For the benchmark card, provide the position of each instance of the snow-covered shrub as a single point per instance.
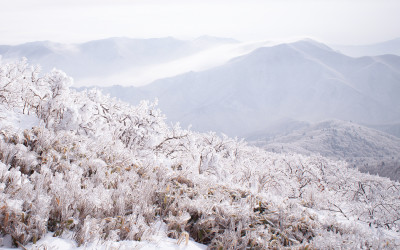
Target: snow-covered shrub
(106, 170)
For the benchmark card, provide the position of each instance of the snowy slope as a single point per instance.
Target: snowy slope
(304, 81)
(336, 139)
(361, 146)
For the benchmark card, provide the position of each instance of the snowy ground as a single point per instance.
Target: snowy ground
(9, 118)
(50, 242)
(155, 242)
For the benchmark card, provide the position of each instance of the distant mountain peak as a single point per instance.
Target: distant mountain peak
(297, 49)
(312, 42)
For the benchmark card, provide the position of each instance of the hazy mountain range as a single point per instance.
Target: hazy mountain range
(90, 62)
(387, 47)
(301, 81)
(133, 62)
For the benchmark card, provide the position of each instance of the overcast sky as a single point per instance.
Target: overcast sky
(330, 21)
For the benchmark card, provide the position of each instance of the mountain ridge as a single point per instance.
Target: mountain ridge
(381, 48)
(361, 147)
(108, 56)
(301, 81)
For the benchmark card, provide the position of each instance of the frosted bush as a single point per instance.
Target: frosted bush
(104, 170)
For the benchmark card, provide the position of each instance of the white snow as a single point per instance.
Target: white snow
(157, 242)
(15, 119)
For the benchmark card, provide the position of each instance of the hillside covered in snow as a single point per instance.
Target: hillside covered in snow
(368, 149)
(99, 169)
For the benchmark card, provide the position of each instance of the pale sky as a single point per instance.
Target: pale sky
(70, 21)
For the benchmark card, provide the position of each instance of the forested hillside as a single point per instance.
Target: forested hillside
(102, 169)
